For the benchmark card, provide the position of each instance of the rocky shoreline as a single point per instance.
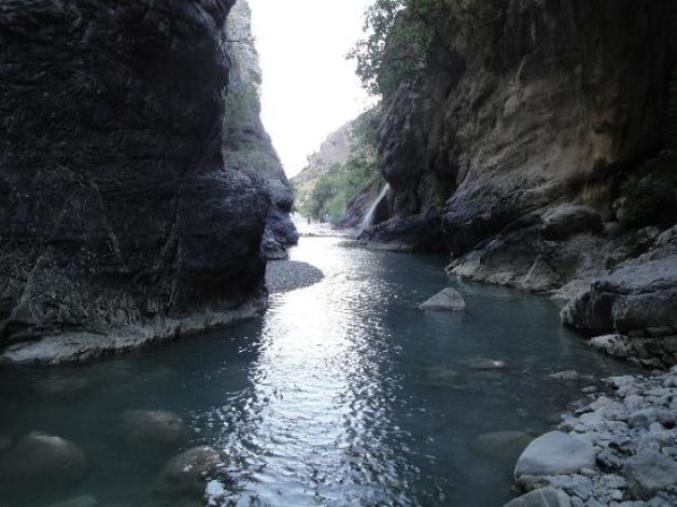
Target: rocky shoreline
(617, 448)
(80, 347)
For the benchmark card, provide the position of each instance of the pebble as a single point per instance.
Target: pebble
(633, 436)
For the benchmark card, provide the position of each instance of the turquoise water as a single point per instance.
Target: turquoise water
(343, 393)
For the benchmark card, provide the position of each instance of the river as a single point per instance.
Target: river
(342, 393)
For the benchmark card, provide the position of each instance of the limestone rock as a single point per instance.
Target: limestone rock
(543, 497)
(446, 300)
(649, 472)
(555, 453)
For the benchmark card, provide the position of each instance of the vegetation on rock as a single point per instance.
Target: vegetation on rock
(342, 183)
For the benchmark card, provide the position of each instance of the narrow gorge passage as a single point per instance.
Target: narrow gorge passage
(343, 393)
(338, 252)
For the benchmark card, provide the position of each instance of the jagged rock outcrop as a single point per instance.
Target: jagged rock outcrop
(120, 223)
(247, 146)
(535, 145)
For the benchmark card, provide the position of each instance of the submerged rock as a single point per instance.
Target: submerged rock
(483, 363)
(446, 300)
(5, 442)
(187, 474)
(78, 501)
(56, 385)
(153, 427)
(543, 497)
(555, 453)
(439, 376)
(503, 443)
(40, 458)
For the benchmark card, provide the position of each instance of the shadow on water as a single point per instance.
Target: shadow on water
(342, 393)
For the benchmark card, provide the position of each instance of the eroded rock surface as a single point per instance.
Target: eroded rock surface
(121, 223)
(535, 147)
(247, 147)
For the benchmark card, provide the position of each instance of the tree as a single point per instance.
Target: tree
(399, 37)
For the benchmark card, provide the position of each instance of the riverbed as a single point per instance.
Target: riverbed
(342, 393)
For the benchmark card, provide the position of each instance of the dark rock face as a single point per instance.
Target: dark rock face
(516, 142)
(120, 222)
(246, 145)
(530, 108)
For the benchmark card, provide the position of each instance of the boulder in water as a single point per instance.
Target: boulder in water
(446, 300)
(483, 363)
(543, 497)
(78, 501)
(155, 427)
(41, 458)
(187, 474)
(5, 442)
(555, 453)
(439, 376)
(57, 385)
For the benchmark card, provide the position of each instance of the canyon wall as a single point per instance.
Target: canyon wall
(534, 147)
(246, 145)
(121, 224)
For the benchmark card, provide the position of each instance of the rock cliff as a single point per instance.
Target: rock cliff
(534, 147)
(333, 152)
(247, 147)
(340, 181)
(121, 222)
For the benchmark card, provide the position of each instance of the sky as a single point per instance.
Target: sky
(309, 89)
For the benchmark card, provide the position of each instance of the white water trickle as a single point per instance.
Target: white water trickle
(368, 219)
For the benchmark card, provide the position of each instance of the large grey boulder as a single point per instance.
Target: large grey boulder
(637, 299)
(650, 472)
(446, 300)
(543, 497)
(555, 453)
(41, 458)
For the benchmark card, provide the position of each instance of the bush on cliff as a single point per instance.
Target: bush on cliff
(650, 197)
(400, 34)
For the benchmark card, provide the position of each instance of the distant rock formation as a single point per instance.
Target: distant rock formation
(247, 146)
(333, 152)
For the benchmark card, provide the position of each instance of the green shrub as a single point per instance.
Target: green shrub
(650, 197)
(336, 190)
(400, 34)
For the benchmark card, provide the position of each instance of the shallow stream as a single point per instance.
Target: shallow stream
(343, 393)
